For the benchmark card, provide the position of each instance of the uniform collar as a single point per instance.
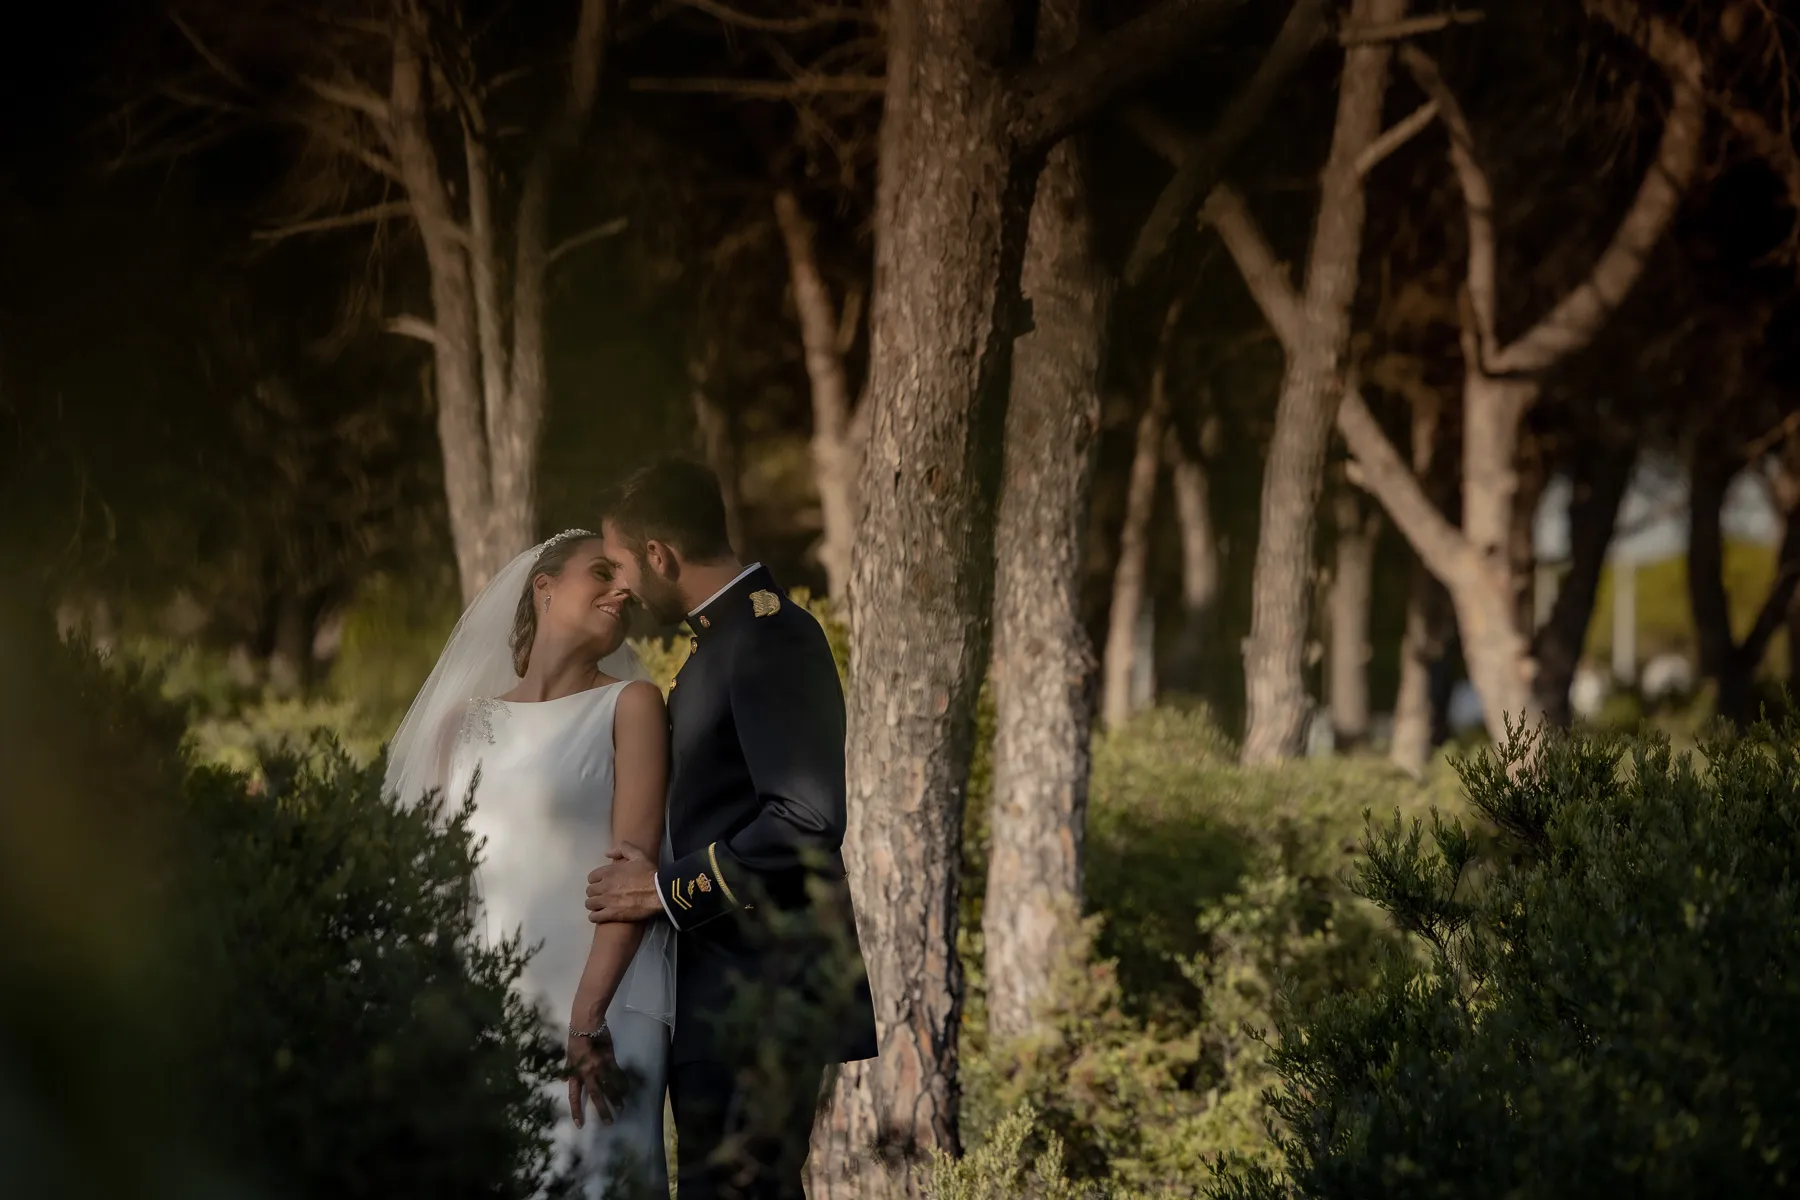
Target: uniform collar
(733, 604)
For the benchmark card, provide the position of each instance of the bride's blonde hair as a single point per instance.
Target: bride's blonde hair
(550, 561)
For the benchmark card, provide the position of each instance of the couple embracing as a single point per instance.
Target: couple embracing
(715, 960)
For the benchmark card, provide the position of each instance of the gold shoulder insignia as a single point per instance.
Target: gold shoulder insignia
(704, 882)
(764, 604)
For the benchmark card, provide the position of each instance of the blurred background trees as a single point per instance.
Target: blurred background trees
(1316, 384)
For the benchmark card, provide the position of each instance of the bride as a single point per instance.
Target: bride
(554, 725)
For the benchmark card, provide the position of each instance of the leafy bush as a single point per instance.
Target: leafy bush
(266, 983)
(1608, 1002)
(997, 1170)
(354, 1035)
(1213, 889)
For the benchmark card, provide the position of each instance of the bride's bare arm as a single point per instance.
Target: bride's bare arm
(640, 780)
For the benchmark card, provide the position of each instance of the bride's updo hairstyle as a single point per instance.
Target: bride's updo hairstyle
(550, 561)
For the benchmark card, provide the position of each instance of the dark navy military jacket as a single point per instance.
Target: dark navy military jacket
(753, 870)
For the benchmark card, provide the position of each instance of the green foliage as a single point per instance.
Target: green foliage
(279, 975)
(997, 1170)
(391, 639)
(1216, 891)
(1606, 1005)
(348, 994)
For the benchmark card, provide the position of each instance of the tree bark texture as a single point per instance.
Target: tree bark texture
(1131, 570)
(1274, 658)
(963, 135)
(1601, 473)
(952, 209)
(834, 458)
(1351, 604)
(487, 339)
(1043, 663)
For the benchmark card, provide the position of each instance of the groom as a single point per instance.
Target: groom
(770, 986)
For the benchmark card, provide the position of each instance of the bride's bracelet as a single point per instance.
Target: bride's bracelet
(589, 1034)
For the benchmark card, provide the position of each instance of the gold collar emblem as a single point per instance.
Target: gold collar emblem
(764, 604)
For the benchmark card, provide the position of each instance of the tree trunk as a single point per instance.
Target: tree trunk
(962, 136)
(1274, 658)
(951, 215)
(1709, 476)
(1351, 604)
(834, 460)
(1730, 664)
(1602, 472)
(1132, 568)
(713, 427)
(1199, 556)
(491, 388)
(1425, 637)
(1044, 665)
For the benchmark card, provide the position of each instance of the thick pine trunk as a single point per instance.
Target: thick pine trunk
(1043, 663)
(834, 459)
(951, 218)
(1131, 569)
(1602, 472)
(1351, 606)
(1274, 657)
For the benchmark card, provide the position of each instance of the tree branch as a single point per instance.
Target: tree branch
(1393, 31)
(379, 163)
(1403, 132)
(351, 95)
(205, 52)
(1050, 99)
(1478, 198)
(407, 325)
(1264, 274)
(1382, 473)
(363, 216)
(1380, 470)
(764, 89)
(1577, 318)
(599, 232)
(823, 15)
(1201, 167)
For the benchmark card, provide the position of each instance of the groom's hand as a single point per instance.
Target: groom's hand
(625, 888)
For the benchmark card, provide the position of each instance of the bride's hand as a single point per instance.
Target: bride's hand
(593, 1075)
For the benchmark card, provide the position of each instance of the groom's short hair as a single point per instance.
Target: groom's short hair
(674, 501)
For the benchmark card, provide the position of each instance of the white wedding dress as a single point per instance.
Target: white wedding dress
(543, 805)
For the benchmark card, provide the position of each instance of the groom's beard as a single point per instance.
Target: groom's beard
(659, 597)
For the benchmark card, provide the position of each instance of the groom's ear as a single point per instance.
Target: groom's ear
(662, 557)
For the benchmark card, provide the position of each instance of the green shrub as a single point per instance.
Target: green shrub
(1608, 1003)
(267, 983)
(998, 1170)
(1214, 890)
(354, 1036)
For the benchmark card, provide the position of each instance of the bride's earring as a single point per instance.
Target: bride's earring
(546, 605)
